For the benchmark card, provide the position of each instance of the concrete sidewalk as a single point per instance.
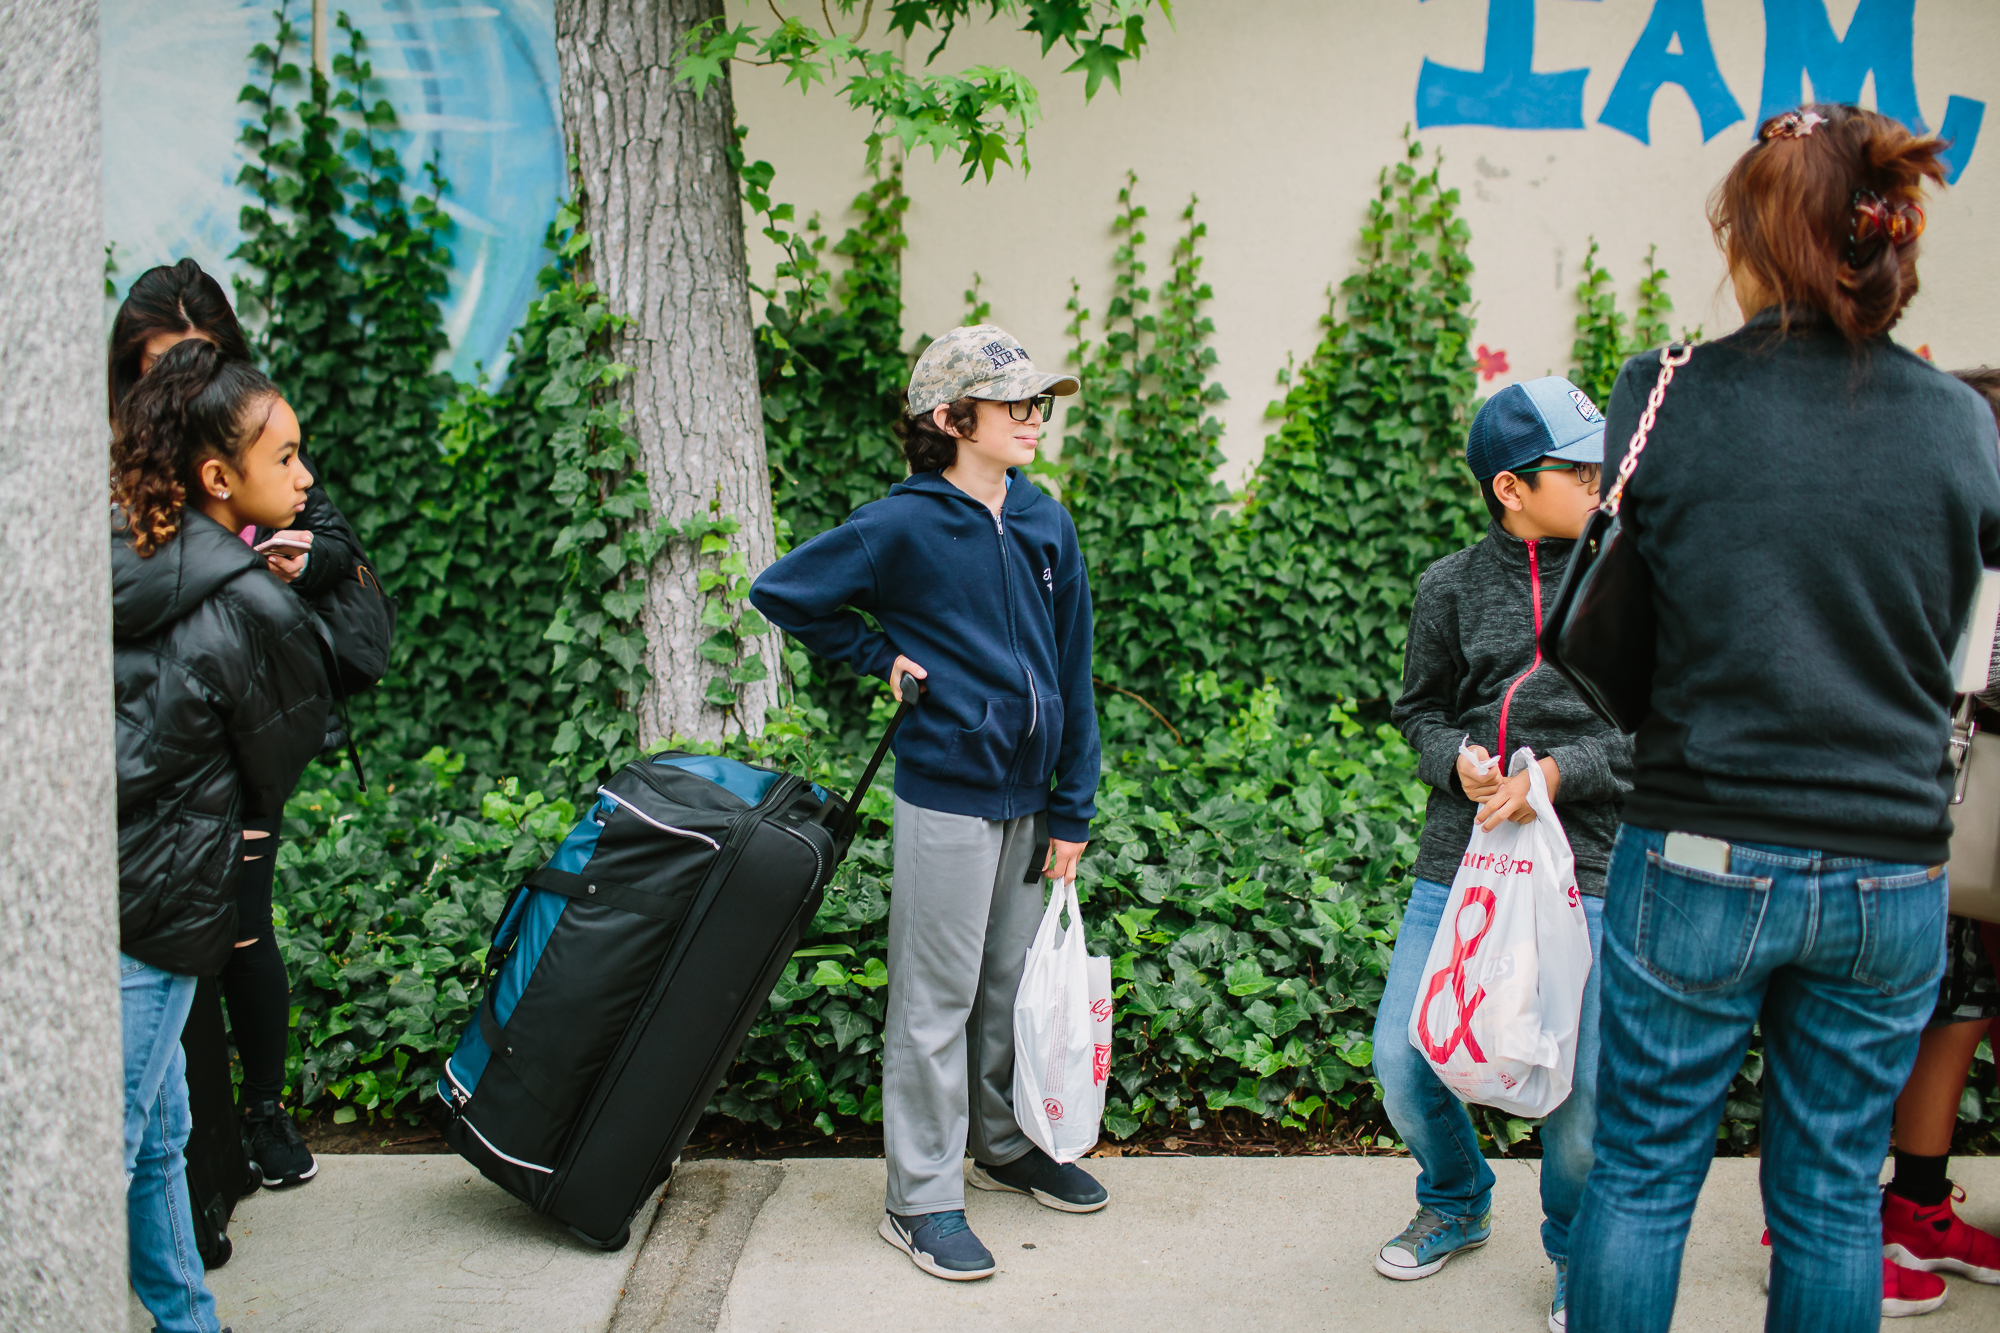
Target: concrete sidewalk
(389, 1244)
(1193, 1244)
(386, 1244)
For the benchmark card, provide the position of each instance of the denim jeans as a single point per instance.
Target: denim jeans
(1839, 958)
(166, 1271)
(1427, 1116)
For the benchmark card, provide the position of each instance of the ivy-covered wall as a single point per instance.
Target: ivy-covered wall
(1258, 819)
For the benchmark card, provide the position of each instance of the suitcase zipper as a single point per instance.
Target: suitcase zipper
(614, 798)
(545, 1170)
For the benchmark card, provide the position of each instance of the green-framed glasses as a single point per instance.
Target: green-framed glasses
(1027, 407)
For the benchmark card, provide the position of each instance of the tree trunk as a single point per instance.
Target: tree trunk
(662, 205)
(62, 1176)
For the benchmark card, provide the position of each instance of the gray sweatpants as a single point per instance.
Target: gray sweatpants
(961, 918)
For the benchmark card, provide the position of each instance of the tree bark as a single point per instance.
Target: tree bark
(62, 1168)
(662, 203)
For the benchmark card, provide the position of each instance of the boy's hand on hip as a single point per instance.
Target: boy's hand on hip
(1479, 786)
(1063, 857)
(896, 670)
(1510, 802)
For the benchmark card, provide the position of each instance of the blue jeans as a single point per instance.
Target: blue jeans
(1839, 958)
(1427, 1116)
(166, 1271)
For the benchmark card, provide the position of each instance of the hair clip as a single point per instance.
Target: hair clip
(1875, 219)
(1792, 125)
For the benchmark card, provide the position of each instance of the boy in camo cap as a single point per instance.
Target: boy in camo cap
(976, 580)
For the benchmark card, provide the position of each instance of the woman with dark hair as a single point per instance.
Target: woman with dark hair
(1814, 505)
(221, 702)
(311, 550)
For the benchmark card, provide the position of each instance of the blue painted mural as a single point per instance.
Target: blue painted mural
(1799, 44)
(473, 83)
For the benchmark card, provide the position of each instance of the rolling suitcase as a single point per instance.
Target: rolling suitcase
(218, 1167)
(624, 974)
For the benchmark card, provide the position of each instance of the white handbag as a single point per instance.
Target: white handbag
(1974, 870)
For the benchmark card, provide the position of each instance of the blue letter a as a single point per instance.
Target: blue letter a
(1652, 65)
(1506, 92)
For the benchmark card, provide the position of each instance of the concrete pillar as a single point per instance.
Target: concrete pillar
(62, 1175)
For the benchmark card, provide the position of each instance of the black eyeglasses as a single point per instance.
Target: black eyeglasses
(1027, 407)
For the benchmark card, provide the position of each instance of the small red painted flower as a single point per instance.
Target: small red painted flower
(1492, 362)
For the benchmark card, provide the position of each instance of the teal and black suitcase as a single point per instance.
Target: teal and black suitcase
(624, 974)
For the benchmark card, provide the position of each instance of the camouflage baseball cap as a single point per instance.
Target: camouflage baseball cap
(979, 361)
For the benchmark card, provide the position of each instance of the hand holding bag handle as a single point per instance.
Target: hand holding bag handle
(1600, 630)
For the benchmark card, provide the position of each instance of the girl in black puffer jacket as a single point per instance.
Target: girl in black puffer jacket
(167, 306)
(221, 702)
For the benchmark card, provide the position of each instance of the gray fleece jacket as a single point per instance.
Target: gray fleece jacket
(1471, 668)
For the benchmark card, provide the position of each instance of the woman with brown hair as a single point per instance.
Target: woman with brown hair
(1815, 506)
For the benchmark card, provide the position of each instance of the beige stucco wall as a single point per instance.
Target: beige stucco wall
(1279, 113)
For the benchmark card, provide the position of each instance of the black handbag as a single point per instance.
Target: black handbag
(1599, 632)
(359, 620)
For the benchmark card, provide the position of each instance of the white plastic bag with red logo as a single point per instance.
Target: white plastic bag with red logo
(1058, 1071)
(1502, 993)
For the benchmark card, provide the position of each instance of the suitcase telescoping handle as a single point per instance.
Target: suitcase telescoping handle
(850, 819)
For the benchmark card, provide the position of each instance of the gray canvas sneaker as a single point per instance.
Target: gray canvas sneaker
(939, 1243)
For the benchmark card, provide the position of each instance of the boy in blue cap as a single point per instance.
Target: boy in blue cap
(1472, 671)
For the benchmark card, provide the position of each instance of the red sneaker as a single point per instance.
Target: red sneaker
(1937, 1239)
(1905, 1291)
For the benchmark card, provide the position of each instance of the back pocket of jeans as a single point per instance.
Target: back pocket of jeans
(1902, 931)
(1696, 927)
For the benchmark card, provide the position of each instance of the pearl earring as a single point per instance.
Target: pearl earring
(222, 495)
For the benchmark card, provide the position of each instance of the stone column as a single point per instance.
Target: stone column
(62, 1177)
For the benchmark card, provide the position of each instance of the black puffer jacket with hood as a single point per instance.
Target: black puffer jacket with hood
(222, 699)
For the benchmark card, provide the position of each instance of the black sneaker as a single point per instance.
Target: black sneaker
(1059, 1185)
(939, 1243)
(276, 1149)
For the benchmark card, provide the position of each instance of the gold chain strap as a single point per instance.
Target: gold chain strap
(1669, 362)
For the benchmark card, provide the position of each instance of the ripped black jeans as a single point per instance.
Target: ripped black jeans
(254, 986)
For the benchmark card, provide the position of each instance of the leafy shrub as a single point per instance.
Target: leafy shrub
(1362, 486)
(1248, 890)
(1605, 338)
(386, 902)
(449, 490)
(1138, 467)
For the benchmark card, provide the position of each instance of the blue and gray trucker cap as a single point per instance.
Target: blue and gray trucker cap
(1523, 422)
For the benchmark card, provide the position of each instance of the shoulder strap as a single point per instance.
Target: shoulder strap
(1669, 362)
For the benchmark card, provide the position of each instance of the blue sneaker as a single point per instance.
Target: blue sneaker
(939, 1243)
(1429, 1240)
(1057, 1184)
(1559, 1307)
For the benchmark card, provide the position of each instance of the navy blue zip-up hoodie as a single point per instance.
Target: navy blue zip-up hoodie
(996, 610)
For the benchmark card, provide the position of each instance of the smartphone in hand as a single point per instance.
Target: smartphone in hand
(283, 544)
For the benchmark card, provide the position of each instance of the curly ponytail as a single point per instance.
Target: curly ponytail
(1825, 212)
(196, 403)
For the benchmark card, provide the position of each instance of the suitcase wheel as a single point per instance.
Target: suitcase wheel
(617, 1242)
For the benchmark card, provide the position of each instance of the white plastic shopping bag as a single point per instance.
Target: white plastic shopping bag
(1101, 1014)
(1502, 991)
(1057, 1099)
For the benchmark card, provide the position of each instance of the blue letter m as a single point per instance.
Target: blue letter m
(1799, 42)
